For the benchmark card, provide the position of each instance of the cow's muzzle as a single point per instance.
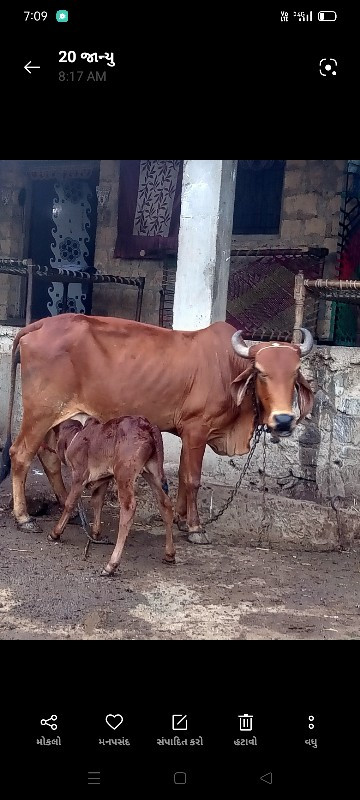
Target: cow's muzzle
(283, 424)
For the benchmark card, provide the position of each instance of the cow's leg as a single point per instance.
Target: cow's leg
(70, 503)
(194, 443)
(97, 502)
(181, 502)
(125, 484)
(52, 468)
(165, 508)
(22, 452)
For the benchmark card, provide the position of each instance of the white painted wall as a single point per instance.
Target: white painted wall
(207, 206)
(7, 336)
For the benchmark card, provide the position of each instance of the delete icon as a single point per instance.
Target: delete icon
(179, 722)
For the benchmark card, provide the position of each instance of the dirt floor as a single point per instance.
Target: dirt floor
(226, 590)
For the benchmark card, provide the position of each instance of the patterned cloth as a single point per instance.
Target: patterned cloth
(261, 293)
(149, 209)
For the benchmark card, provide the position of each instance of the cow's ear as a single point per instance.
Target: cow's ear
(240, 384)
(305, 396)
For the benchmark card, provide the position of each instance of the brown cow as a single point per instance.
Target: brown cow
(205, 386)
(121, 448)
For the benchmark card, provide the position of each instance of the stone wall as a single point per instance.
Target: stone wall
(310, 217)
(14, 232)
(310, 207)
(110, 300)
(107, 300)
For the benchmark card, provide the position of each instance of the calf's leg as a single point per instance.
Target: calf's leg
(127, 503)
(97, 502)
(165, 508)
(70, 503)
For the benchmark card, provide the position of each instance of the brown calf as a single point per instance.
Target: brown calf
(121, 448)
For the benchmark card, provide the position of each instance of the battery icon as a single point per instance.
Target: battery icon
(327, 16)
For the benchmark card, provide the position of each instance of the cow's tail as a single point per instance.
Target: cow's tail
(159, 447)
(5, 463)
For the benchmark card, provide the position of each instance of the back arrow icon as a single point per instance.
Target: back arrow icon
(267, 778)
(30, 66)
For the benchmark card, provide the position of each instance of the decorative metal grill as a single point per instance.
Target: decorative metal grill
(167, 293)
(25, 269)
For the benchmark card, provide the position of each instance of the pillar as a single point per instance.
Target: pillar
(207, 206)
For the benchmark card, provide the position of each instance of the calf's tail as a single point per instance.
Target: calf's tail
(5, 463)
(159, 447)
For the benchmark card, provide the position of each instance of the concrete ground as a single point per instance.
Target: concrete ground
(235, 588)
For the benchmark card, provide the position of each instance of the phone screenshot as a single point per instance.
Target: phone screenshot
(179, 399)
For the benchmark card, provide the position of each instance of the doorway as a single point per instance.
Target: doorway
(62, 234)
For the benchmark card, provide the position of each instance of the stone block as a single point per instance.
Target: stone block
(334, 204)
(330, 243)
(291, 228)
(296, 164)
(291, 524)
(293, 179)
(334, 227)
(315, 226)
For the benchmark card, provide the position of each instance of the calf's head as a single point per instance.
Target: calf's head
(275, 369)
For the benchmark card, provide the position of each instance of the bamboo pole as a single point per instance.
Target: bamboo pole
(29, 292)
(326, 283)
(299, 297)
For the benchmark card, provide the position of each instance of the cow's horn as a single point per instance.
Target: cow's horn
(239, 345)
(308, 342)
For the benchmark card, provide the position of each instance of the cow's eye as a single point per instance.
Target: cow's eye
(262, 375)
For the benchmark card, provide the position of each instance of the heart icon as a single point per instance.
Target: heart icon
(114, 720)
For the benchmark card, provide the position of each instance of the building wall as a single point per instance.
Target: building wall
(310, 217)
(121, 301)
(14, 233)
(310, 207)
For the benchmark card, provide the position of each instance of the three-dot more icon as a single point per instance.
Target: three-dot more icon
(311, 725)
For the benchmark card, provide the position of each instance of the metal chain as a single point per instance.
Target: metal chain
(234, 491)
(264, 524)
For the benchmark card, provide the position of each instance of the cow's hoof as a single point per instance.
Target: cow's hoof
(182, 524)
(105, 573)
(169, 560)
(29, 525)
(53, 539)
(199, 537)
